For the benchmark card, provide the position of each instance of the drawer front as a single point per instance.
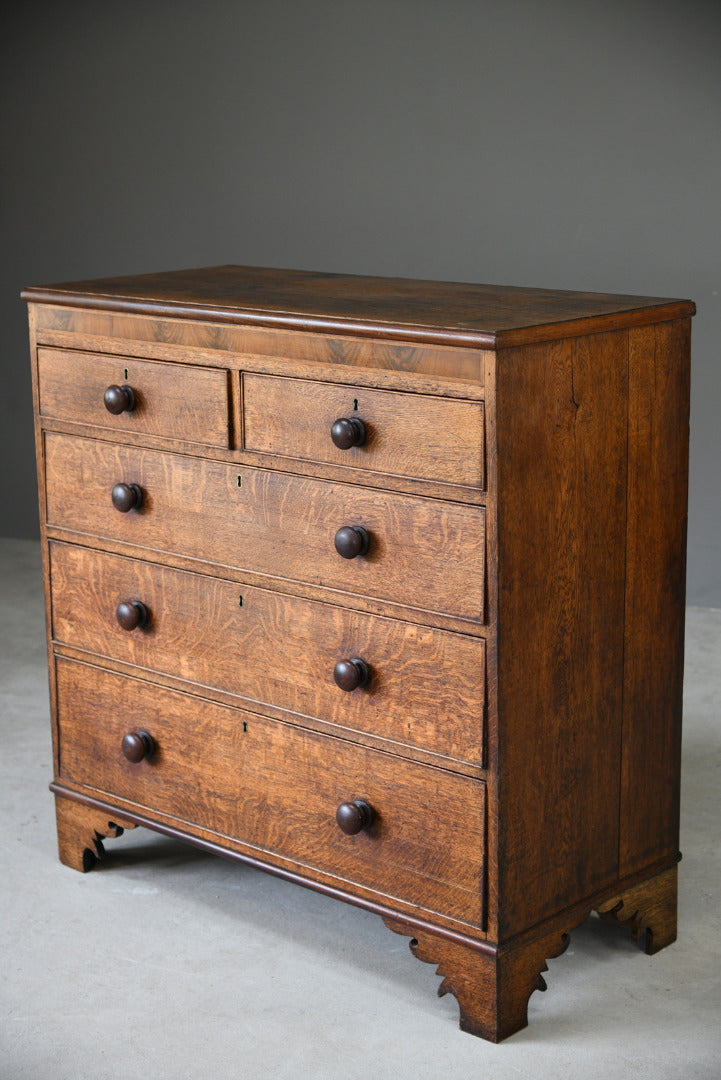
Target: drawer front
(423, 553)
(426, 686)
(176, 401)
(276, 788)
(410, 435)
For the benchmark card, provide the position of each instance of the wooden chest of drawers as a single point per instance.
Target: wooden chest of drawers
(378, 585)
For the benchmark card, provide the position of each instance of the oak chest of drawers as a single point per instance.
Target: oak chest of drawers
(378, 585)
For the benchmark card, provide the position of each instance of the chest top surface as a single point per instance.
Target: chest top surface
(484, 315)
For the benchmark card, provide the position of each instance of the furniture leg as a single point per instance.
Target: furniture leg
(81, 830)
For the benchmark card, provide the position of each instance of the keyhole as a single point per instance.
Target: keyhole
(355, 404)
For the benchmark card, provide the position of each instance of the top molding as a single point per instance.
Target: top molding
(442, 312)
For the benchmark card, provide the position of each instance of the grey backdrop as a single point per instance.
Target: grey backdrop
(565, 144)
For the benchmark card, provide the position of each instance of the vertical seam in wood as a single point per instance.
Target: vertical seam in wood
(484, 868)
(55, 709)
(484, 449)
(231, 422)
(622, 725)
(235, 407)
(239, 379)
(484, 717)
(52, 656)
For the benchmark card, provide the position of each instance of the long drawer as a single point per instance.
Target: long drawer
(275, 789)
(426, 686)
(423, 553)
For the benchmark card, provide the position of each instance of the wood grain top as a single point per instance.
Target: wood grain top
(441, 311)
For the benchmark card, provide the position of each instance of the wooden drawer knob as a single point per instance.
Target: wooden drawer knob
(119, 399)
(137, 745)
(347, 432)
(132, 614)
(127, 497)
(351, 541)
(350, 674)
(353, 817)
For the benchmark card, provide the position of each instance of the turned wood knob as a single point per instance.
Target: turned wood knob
(353, 817)
(131, 614)
(137, 745)
(351, 541)
(119, 399)
(347, 432)
(127, 497)
(350, 674)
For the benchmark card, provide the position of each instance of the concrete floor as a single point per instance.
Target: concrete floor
(168, 963)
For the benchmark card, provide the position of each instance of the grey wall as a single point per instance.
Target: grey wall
(561, 144)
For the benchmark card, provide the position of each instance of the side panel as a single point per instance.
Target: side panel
(40, 465)
(561, 442)
(655, 592)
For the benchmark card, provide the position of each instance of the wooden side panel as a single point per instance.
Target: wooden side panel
(40, 464)
(655, 592)
(491, 724)
(405, 434)
(276, 788)
(561, 423)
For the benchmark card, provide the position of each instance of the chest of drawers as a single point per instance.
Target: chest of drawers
(378, 585)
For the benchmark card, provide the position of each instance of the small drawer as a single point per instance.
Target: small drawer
(275, 789)
(398, 434)
(175, 401)
(421, 553)
(416, 685)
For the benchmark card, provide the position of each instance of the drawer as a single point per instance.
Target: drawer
(275, 789)
(423, 553)
(404, 435)
(426, 686)
(176, 401)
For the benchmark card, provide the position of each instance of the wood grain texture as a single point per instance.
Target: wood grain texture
(561, 429)
(426, 687)
(276, 788)
(406, 434)
(655, 592)
(176, 401)
(425, 310)
(424, 553)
